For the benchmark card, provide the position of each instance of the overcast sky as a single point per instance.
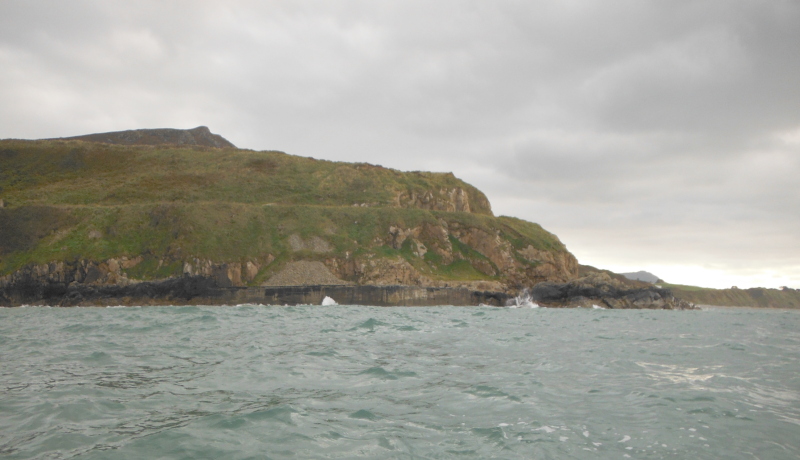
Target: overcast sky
(662, 136)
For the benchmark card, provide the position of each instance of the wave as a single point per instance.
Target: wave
(523, 300)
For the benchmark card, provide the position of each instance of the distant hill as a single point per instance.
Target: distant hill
(647, 277)
(201, 136)
(588, 270)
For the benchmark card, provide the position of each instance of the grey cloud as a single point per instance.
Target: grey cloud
(614, 118)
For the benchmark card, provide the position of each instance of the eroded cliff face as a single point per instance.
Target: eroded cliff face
(454, 199)
(444, 254)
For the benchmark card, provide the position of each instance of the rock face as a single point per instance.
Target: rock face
(201, 136)
(52, 281)
(88, 283)
(599, 289)
(452, 200)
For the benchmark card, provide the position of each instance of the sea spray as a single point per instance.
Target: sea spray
(328, 301)
(523, 300)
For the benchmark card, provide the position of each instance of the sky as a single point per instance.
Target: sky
(660, 136)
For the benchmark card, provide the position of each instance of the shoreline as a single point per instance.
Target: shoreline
(198, 290)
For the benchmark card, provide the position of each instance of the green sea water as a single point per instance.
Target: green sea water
(252, 382)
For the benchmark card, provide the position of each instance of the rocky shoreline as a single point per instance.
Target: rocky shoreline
(603, 291)
(199, 290)
(59, 287)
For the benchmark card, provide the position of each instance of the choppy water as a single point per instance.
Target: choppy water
(436, 382)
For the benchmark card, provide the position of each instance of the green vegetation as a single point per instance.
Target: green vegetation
(71, 200)
(83, 173)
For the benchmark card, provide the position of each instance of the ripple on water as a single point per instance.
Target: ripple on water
(254, 382)
(364, 414)
(369, 325)
(381, 373)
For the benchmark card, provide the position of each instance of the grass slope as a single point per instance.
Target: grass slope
(753, 297)
(68, 200)
(83, 173)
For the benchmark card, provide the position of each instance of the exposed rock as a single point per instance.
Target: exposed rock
(452, 200)
(126, 263)
(496, 249)
(384, 271)
(251, 270)
(227, 273)
(199, 290)
(551, 265)
(603, 291)
(381, 295)
(397, 236)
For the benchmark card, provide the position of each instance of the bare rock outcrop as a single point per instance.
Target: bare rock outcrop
(378, 271)
(455, 199)
(601, 290)
(226, 273)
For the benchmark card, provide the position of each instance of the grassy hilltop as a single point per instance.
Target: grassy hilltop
(160, 211)
(734, 297)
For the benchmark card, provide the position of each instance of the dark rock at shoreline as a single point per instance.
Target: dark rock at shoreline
(201, 290)
(88, 283)
(599, 289)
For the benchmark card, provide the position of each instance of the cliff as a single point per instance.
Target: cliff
(601, 290)
(101, 211)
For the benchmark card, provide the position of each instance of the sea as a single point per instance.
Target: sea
(334, 381)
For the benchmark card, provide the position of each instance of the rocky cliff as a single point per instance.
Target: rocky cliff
(164, 216)
(102, 211)
(600, 290)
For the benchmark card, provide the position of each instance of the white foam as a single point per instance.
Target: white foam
(546, 429)
(597, 307)
(625, 438)
(523, 300)
(328, 301)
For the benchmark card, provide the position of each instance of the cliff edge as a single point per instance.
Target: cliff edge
(149, 206)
